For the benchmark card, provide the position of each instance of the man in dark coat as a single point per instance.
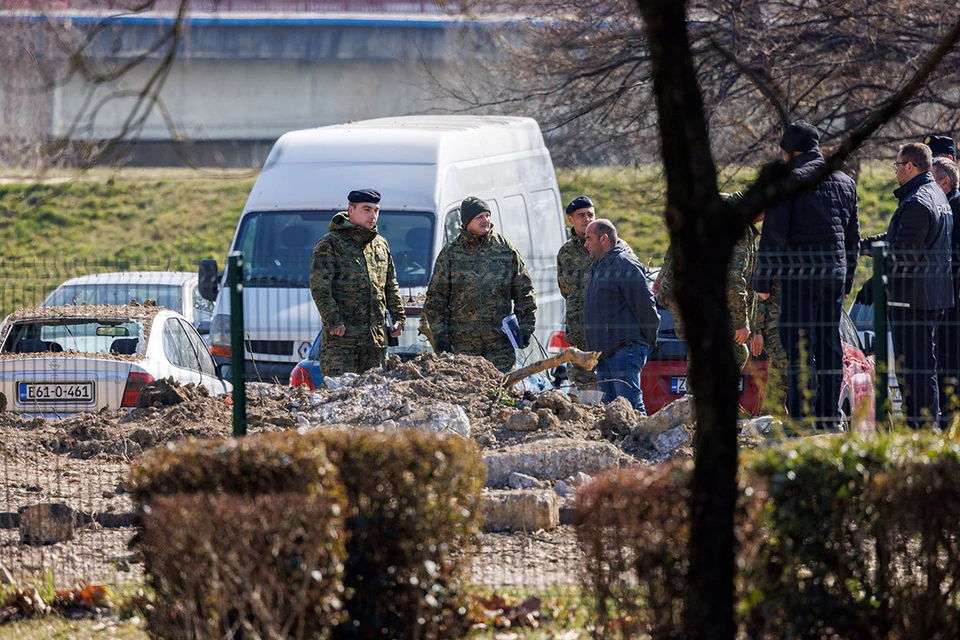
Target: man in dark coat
(811, 244)
(948, 333)
(620, 315)
(920, 283)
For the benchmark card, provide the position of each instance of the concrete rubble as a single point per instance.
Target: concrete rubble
(520, 510)
(553, 459)
(46, 523)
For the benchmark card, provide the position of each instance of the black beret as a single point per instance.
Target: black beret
(364, 195)
(800, 136)
(470, 208)
(580, 202)
(941, 145)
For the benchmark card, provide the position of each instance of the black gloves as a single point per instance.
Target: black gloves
(443, 345)
(865, 295)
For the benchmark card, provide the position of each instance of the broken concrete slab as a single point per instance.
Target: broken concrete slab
(522, 481)
(670, 439)
(553, 459)
(46, 523)
(678, 412)
(441, 416)
(520, 510)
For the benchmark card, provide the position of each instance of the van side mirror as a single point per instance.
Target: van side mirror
(225, 371)
(208, 279)
(869, 342)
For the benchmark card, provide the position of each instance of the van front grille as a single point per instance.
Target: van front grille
(272, 347)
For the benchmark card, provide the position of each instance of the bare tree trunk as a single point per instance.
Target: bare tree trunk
(704, 231)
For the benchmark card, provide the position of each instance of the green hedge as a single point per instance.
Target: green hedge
(412, 503)
(226, 566)
(839, 537)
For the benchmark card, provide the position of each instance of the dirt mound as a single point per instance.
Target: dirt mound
(453, 392)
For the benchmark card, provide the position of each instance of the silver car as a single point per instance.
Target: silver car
(56, 361)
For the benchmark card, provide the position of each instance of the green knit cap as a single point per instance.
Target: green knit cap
(470, 208)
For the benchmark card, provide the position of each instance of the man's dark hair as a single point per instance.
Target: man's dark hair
(946, 167)
(918, 154)
(605, 228)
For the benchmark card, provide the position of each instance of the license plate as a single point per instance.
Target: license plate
(55, 392)
(678, 385)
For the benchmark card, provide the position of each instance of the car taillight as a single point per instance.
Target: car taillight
(220, 336)
(136, 381)
(300, 376)
(558, 340)
(413, 311)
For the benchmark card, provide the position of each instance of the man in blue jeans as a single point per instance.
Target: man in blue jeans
(620, 315)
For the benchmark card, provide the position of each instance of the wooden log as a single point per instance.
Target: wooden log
(583, 359)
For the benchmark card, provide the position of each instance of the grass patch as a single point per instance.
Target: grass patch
(69, 224)
(56, 628)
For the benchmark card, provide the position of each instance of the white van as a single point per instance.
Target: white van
(423, 166)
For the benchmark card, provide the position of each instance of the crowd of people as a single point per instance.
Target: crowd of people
(786, 286)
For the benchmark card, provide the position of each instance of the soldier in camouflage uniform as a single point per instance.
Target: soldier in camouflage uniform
(478, 280)
(354, 283)
(765, 336)
(573, 273)
(739, 296)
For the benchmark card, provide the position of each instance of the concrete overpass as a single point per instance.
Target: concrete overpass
(240, 80)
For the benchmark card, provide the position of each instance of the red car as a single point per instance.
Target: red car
(664, 377)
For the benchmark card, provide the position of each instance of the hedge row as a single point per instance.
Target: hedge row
(406, 501)
(838, 537)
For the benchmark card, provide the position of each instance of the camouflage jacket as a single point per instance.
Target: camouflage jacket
(354, 282)
(743, 262)
(477, 281)
(740, 298)
(573, 274)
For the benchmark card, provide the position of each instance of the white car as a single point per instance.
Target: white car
(175, 290)
(56, 361)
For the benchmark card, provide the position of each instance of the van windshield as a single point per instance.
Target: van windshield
(278, 245)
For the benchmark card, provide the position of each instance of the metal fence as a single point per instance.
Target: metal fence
(67, 518)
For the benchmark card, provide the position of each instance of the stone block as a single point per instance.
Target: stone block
(46, 523)
(520, 510)
(553, 459)
(670, 439)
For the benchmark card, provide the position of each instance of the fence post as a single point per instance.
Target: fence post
(235, 284)
(879, 253)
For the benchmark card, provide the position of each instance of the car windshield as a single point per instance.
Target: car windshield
(278, 245)
(84, 335)
(115, 293)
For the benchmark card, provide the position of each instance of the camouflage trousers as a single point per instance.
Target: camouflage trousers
(777, 365)
(339, 359)
(495, 347)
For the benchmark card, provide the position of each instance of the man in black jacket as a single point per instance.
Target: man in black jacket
(948, 333)
(920, 283)
(811, 243)
(620, 315)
